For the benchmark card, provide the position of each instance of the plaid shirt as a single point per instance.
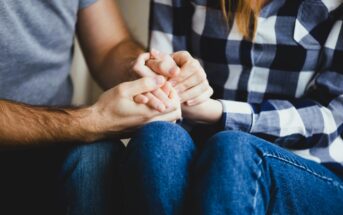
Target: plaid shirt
(286, 86)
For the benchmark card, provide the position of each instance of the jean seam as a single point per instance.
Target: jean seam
(256, 183)
(324, 178)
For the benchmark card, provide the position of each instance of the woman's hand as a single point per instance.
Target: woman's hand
(208, 112)
(158, 99)
(190, 82)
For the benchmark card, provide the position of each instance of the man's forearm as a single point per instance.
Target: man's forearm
(23, 125)
(117, 63)
(106, 42)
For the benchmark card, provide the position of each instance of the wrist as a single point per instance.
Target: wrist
(215, 111)
(209, 112)
(86, 119)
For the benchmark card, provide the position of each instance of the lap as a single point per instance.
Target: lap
(233, 143)
(294, 185)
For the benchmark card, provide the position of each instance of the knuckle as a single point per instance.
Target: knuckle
(142, 56)
(205, 86)
(203, 75)
(136, 67)
(186, 53)
(120, 90)
(193, 63)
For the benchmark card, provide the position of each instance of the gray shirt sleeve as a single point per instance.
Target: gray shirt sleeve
(85, 3)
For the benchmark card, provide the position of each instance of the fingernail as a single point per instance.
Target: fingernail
(159, 80)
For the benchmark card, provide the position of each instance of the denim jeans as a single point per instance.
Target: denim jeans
(59, 180)
(232, 173)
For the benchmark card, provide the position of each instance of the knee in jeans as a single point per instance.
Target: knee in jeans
(233, 144)
(95, 157)
(163, 128)
(162, 139)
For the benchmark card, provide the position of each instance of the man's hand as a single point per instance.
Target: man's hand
(190, 83)
(117, 112)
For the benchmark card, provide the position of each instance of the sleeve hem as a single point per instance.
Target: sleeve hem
(237, 115)
(86, 3)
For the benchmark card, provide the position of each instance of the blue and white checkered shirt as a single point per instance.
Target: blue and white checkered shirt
(286, 86)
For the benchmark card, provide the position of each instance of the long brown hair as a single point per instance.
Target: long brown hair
(245, 12)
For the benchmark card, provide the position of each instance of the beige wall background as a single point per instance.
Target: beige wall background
(136, 14)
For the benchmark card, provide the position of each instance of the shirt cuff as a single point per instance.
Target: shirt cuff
(237, 115)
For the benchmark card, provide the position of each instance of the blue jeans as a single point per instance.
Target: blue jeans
(232, 173)
(62, 180)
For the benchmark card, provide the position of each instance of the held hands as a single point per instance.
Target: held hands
(168, 84)
(187, 77)
(157, 99)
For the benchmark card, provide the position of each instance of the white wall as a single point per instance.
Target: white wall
(135, 13)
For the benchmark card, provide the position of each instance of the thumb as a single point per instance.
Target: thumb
(144, 85)
(181, 57)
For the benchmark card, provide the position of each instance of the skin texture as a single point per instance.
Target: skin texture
(106, 44)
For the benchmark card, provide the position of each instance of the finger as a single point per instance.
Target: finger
(181, 57)
(175, 97)
(163, 97)
(143, 85)
(141, 99)
(201, 99)
(140, 68)
(194, 92)
(169, 117)
(155, 103)
(164, 65)
(167, 88)
(190, 82)
(189, 69)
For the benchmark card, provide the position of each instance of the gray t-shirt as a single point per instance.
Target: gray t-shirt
(36, 45)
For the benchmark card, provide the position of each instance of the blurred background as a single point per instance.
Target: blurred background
(136, 14)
